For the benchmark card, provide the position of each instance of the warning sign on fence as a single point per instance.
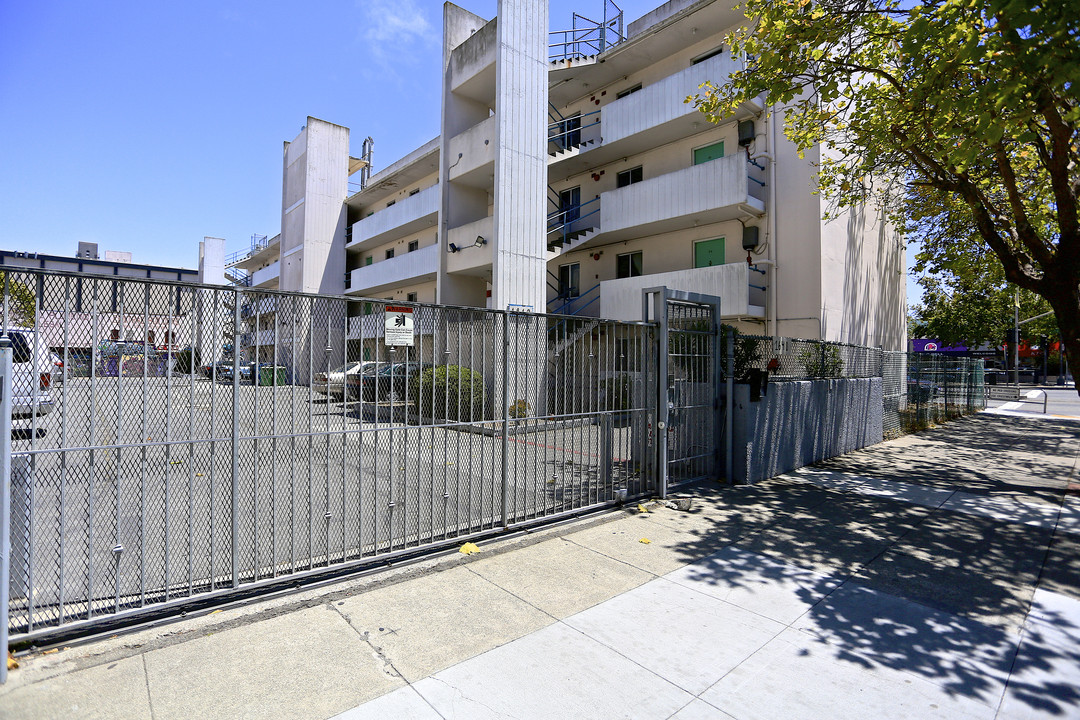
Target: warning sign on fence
(399, 326)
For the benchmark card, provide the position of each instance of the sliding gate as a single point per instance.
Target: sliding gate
(689, 420)
(203, 440)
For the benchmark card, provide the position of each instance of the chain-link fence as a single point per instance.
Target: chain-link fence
(796, 359)
(178, 441)
(921, 390)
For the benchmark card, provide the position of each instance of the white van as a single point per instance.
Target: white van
(31, 377)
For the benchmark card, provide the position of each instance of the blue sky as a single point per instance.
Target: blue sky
(144, 126)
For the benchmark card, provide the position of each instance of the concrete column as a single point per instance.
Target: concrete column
(519, 246)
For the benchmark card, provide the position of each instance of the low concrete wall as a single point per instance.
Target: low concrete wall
(800, 423)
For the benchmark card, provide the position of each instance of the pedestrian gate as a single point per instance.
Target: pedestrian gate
(688, 408)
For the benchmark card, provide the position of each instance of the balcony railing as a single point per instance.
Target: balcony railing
(587, 37)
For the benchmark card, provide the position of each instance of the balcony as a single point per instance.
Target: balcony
(472, 155)
(470, 259)
(703, 194)
(405, 217)
(650, 117)
(415, 267)
(740, 287)
(267, 277)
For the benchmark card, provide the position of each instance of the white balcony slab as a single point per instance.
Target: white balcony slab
(417, 266)
(470, 259)
(621, 299)
(472, 154)
(407, 216)
(266, 277)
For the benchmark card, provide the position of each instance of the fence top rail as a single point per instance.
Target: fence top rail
(260, 292)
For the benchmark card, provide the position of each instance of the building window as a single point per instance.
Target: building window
(390, 253)
(627, 91)
(411, 297)
(413, 191)
(628, 177)
(705, 56)
(708, 253)
(391, 203)
(414, 245)
(570, 204)
(628, 265)
(569, 132)
(709, 152)
(368, 260)
(569, 276)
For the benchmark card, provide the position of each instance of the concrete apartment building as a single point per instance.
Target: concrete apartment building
(569, 174)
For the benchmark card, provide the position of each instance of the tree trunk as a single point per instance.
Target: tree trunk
(1065, 300)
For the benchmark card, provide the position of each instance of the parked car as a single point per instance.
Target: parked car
(31, 376)
(59, 373)
(333, 382)
(386, 381)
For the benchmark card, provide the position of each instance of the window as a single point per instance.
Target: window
(390, 253)
(413, 192)
(628, 265)
(414, 245)
(391, 203)
(705, 56)
(708, 253)
(628, 177)
(368, 260)
(569, 132)
(627, 91)
(569, 276)
(709, 152)
(570, 204)
(411, 297)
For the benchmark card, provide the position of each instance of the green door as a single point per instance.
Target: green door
(709, 152)
(708, 253)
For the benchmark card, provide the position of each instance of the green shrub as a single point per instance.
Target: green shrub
(745, 355)
(187, 360)
(450, 392)
(822, 360)
(519, 409)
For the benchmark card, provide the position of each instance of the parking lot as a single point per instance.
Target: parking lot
(131, 491)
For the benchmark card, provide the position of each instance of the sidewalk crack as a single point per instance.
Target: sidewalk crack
(386, 665)
(146, 681)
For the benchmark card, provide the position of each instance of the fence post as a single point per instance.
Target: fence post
(236, 441)
(506, 420)
(729, 422)
(5, 495)
(918, 390)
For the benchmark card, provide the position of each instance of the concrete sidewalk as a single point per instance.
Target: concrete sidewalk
(937, 575)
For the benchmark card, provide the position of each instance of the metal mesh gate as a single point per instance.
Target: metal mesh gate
(183, 441)
(688, 420)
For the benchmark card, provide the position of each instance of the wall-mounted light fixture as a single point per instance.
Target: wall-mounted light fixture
(453, 248)
(480, 241)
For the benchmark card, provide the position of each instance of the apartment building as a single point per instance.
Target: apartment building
(570, 173)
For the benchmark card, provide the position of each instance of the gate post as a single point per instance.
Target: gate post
(5, 496)
(235, 535)
(662, 398)
(729, 421)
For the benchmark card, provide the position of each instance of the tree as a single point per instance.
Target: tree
(972, 102)
(966, 298)
(21, 311)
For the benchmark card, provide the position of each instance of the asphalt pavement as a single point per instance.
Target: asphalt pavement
(935, 575)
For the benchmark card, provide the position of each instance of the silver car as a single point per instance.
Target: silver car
(333, 382)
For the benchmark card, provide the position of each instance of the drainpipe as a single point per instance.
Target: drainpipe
(770, 222)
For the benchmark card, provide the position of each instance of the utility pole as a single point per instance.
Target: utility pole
(1016, 340)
